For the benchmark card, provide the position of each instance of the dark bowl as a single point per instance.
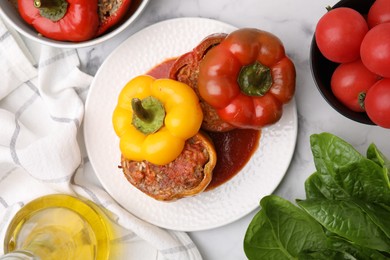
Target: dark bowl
(322, 69)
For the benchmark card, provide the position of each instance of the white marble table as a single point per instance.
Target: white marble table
(294, 23)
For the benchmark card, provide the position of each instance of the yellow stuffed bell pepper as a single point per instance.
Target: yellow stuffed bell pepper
(154, 118)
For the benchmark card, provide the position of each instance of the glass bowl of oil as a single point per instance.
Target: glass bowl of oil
(61, 226)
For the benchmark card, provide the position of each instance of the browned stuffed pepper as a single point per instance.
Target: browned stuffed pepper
(188, 175)
(163, 154)
(111, 12)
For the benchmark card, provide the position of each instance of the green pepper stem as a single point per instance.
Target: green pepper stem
(148, 114)
(140, 111)
(54, 10)
(255, 79)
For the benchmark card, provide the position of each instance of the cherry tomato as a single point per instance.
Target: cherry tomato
(375, 50)
(377, 103)
(350, 82)
(379, 13)
(339, 34)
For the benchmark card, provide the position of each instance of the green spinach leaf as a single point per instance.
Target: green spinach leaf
(346, 214)
(323, 186)
(331, 152)
(378, 157)
(326, 255)
(347, 220)
(379, 214)
(281, 230)
(364, 180)
(353, 250)
(347, 172)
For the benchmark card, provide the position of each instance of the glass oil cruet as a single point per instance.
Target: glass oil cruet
(59, 226)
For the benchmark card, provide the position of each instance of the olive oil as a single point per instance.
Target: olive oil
(61, 227)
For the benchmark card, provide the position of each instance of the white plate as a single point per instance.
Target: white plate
(211, 209)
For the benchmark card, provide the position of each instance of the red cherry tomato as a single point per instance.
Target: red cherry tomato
(339, 34)
(350, 82)
(379, 13)
(377, 103)
(375, 50)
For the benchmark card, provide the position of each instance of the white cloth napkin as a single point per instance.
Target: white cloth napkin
(41, 144)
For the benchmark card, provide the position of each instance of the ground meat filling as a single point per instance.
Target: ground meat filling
(211, 120)
(108, 7)
(164, 182)
(188, 73)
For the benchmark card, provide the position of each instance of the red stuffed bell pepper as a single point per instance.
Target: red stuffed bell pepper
(186, 69)
(111, 13)
(62, 20)
(247, 78)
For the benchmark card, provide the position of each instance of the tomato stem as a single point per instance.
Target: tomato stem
(361, 98)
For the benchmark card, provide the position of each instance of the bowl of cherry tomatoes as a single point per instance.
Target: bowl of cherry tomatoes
(70, 23)
(350, 60)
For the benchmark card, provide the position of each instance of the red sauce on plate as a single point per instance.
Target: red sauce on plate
(162, 69)
(234, 148)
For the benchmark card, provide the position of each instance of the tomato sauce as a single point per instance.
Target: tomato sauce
(162, 69)
(234, 148)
